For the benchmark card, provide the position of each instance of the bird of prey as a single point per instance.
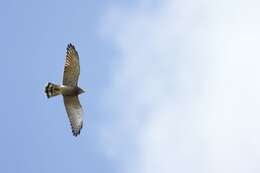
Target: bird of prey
(70, 90)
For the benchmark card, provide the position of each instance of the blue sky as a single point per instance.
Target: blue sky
(172, 86)
(35, 133)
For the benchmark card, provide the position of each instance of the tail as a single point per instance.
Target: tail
(52, 90)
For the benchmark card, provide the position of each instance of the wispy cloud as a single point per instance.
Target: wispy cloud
(184, 96)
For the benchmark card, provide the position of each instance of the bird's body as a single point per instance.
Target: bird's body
(70, 90)
(54, 90)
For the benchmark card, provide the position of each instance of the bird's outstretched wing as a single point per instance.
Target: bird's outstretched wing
(72, 68)
(75, 113)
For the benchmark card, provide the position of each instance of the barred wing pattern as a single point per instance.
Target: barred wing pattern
(75, 113)
(72, 68)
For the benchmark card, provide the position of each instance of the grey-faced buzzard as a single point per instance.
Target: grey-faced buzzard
(70, 90)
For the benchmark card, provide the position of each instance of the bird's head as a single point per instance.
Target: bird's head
(80, 91)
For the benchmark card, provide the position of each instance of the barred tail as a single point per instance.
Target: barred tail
(52, 90)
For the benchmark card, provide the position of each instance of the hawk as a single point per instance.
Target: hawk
(70, 90)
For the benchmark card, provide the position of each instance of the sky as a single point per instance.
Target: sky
(171, 86)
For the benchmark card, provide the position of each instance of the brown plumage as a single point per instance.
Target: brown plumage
(70, 90)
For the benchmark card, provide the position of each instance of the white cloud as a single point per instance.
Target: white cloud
(185, 92)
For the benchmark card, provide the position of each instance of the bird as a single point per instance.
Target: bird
(70, 90)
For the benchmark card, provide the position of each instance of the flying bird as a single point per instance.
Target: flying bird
(70, 90)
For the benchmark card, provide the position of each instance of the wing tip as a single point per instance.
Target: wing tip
(76, 131)
(70, 45)
(71, 50)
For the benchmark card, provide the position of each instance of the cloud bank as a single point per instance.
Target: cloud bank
(184, 93)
